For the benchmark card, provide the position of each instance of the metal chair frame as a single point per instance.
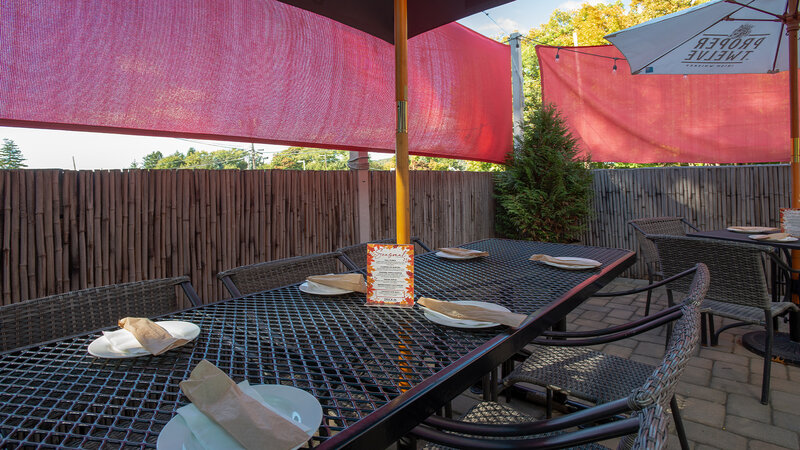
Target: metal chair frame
(268, 275)
(655, 225)
(71, 313)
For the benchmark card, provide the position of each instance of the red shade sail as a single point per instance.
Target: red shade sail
(252, 71)
(742, 118)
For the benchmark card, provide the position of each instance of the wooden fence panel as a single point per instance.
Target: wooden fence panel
(709, 197)
(68, 230)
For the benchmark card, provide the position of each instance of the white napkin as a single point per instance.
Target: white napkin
(122, 341)
(212, 436)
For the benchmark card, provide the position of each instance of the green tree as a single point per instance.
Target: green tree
(151, 159)
(11, 156)
(431, 163)
(173, 161)
(302, 158)
(383, 163)
(234, 158)
(545, 192)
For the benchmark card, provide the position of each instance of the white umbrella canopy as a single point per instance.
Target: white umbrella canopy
(718, 37)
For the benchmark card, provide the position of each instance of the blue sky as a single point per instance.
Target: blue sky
(56, 149)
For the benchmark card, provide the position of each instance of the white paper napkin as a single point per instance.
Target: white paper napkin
(212, 436)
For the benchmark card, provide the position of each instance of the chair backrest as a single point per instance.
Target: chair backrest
(656, 225)
(660, 385)
(280, 272)
(357, 253)
(737, 269)
(61, 315)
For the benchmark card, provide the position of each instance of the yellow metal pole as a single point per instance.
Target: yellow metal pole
(402, 208)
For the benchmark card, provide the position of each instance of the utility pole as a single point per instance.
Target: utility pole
(517, 95)
(252, 156)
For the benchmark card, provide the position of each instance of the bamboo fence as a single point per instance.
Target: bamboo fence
(69, 230)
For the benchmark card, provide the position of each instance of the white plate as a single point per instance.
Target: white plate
(587, 263)
(759, 237)
(448, 321)
(102, 348)
(309, 287)
(296, 403)
(452, 256)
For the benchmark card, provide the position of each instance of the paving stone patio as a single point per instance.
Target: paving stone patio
(720, 391)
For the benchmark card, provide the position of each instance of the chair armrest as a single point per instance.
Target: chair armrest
(614, 329)
(648, 287)
(191, 294)
(644, 327)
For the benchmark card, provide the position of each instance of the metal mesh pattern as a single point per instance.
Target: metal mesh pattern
(655, 225)
(351, 357)
(737, 269)
(47, 318)
(282, 272)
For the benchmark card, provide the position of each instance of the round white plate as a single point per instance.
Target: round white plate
(759, 237)
(442, 319)
(102, 348)
(296, 403)
(309, 287)
(585, 263)
(452, 256)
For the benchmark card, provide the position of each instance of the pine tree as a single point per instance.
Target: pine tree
(11, 156)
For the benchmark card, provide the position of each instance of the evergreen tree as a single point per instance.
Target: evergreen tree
(11, 156)
(546, 190)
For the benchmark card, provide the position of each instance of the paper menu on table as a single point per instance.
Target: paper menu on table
(390, 275)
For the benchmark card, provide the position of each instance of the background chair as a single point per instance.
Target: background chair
(488, 422)
(71, 313)
(281, 272)
(563, 362)
(739, 286)
(647, 250)
(357, 254)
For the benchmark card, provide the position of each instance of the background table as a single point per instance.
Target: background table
(376, 371)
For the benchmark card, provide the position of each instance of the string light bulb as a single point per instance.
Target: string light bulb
(557, 54)
(614, 69)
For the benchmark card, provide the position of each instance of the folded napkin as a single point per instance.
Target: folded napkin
(238, 410)
(347, 281)
(771, 237)
(458, 251)
(153, 338)
(472, 312)
(754, 229)
(557, 260)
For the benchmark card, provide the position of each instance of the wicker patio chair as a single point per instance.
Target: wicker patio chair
(739, 289)
(357, 254)
(491, 425)
(280, 272)
(647, 250)
(563, 362)
(71, 313)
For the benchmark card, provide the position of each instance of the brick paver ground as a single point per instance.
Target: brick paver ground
(720, 391)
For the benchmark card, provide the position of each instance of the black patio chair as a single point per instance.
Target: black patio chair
(71, 313)
(491, 425)
(268, 275)
(739, 289)
(647, 250)
(357, 254)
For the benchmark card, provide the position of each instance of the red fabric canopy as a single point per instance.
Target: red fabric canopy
(251, 71)
(666, 118)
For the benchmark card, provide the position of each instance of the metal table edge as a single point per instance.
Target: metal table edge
(396, 418)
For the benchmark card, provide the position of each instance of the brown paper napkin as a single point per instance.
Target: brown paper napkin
(754, 229)
(771, 237)
(472, 312)
(458, 251)
(243, 417)
(153, 338)
(347, 281)
(557, 260)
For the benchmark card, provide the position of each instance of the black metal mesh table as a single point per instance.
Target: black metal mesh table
(376, 371)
